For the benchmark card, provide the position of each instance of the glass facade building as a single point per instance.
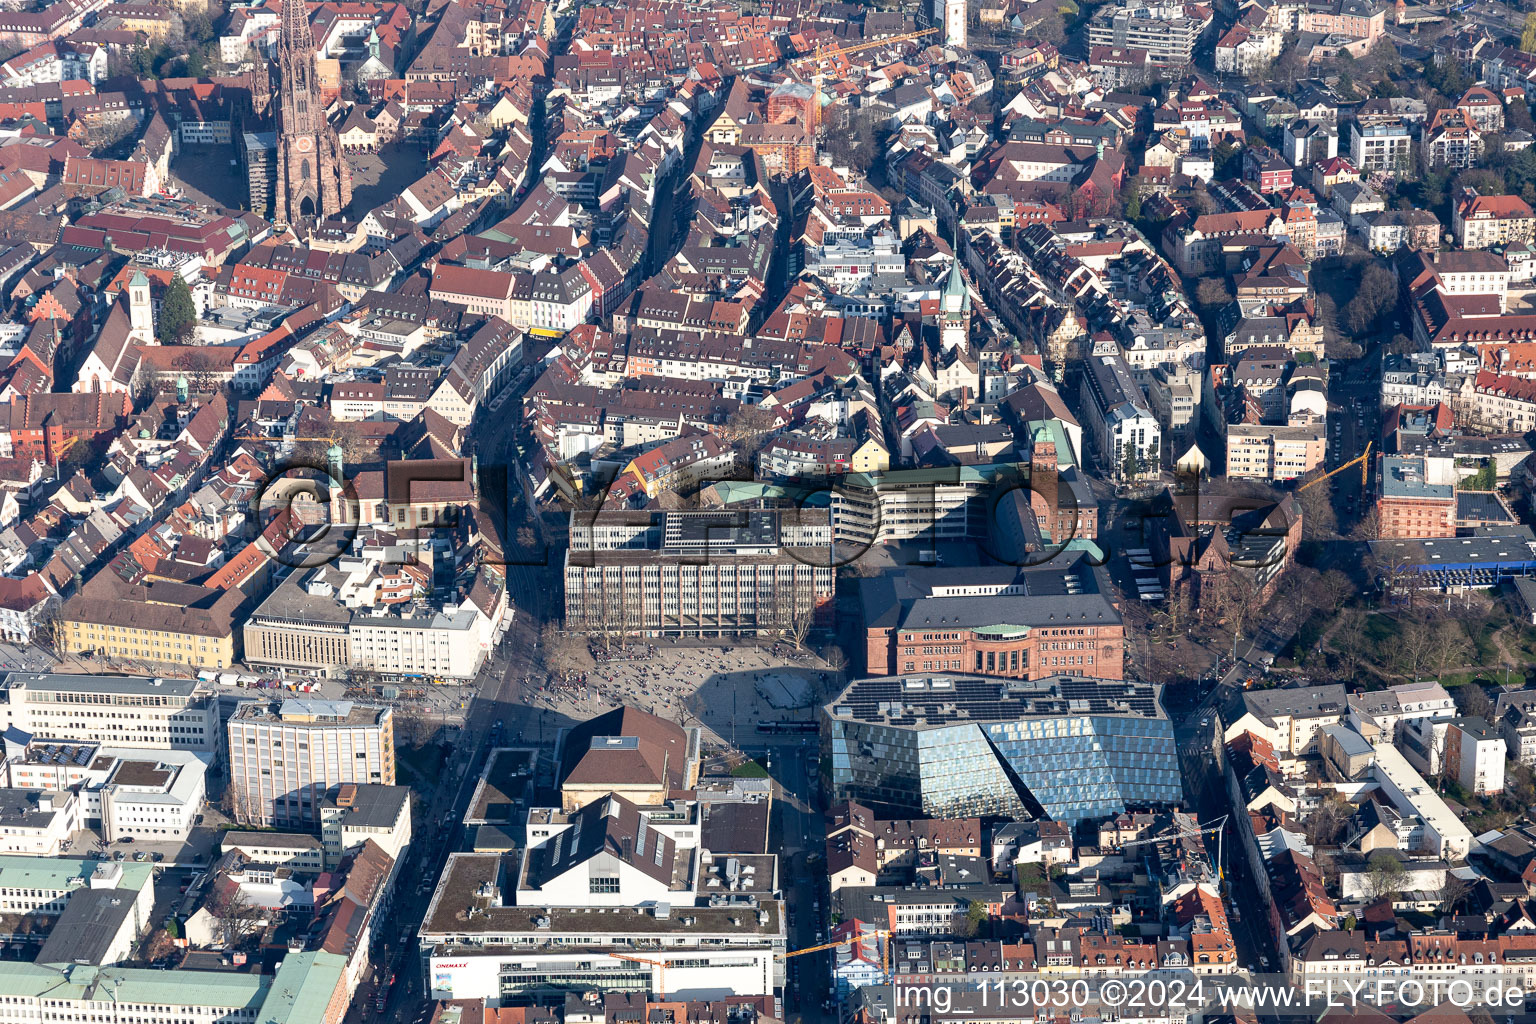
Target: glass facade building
(953, 745)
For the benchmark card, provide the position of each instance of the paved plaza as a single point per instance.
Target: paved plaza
(726, 690)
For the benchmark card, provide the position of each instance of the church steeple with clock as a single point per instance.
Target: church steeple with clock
(313, 181)
(954, 310)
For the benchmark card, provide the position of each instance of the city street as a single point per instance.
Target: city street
(1206, 788)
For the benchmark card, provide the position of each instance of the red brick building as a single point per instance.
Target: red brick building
(44, 426)
(1023, 623)
(1411, 505)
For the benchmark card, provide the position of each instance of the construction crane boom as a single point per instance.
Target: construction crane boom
(661, 977)
(333, 440)
(823, 53)
(1365, 467)
(885, 958)
(1218, 827)
(832, 51)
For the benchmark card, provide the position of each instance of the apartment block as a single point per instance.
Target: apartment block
(1168, 32)
(1381, 147)
(1126, 431)
(284, 756)
(1479, 222)
(122, 711)
(1410, 503)
(1273, 453)
(1475, 750)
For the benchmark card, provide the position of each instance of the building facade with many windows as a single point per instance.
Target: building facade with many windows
(1043, 620)
(122, 711)
(733, 572)
(964, 745)
(285, 755)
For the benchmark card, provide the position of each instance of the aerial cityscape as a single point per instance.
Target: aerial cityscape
(767, 512)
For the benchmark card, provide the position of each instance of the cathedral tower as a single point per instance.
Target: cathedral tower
(313, 181)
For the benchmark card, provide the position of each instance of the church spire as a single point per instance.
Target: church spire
(313, 180)
(954, 309)
(296, 37)
(955, 298)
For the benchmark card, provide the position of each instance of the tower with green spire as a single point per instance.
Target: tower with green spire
(954, 309)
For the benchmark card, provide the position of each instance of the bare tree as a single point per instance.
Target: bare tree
(1318, 521)
(1368, 528)
(1451, 648)
(802, 616)
(414, 728)
(748, 430)
(1415, 642)
(1333, 590)
(1453, 892)
(1350, 640)
(564, 653)
(236, 917)
(1473, 700)
(1387, 876)
(1234, 601)
(1325, 825)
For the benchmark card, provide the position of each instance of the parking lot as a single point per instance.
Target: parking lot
(199, 848)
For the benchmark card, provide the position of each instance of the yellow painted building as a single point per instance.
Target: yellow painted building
(174, 624)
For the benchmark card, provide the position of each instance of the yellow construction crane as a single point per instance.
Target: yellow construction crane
(885, 956)
(827, 52)
(1364, 459)
(661, 976)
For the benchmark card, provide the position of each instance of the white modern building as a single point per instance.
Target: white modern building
(850, 263)
(125, 791)
(43, 885)
(482, 942)
(124, 711)
(38, 822)
(157, 800)
(297, 850)
(1444, 833)
(285, 756)
(1476, 750)
(1124, 427)
(434, 644)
